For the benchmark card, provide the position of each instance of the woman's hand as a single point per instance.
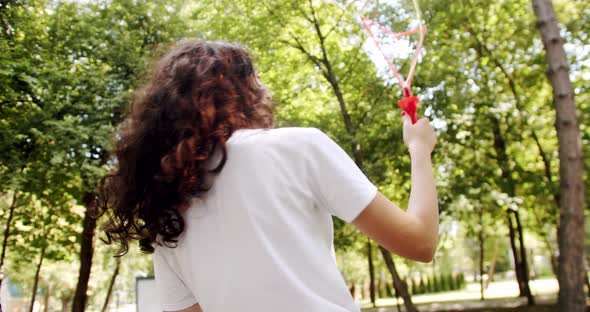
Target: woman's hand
(419, 137)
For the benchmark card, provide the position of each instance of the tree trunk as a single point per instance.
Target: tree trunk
(6, 235)
(371, 272)
(571, 168)
(65, 302)
(363, 289)
(378, 287)
(519, 268)
(36, 282)
(399, 307)
(86, 252)
(515, 254)
(111, 284)
(388, 290)
(492, 267)
(554, 264)
(481, 254)
(586, 280)
(524, 267)
(397, 281)
(555, 194)
(549, 246)
(508, 186)
(47, 295)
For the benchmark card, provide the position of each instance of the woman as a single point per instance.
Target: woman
(237, 214)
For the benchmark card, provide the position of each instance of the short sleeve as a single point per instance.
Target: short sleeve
(174, 294)
(336, 181)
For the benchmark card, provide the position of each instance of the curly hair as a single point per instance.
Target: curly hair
(197, 95)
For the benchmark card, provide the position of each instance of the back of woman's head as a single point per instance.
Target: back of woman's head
(196, 96)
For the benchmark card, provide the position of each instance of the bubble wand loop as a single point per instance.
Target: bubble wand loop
(409, 103)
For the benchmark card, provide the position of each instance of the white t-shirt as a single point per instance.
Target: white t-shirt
(261, 239)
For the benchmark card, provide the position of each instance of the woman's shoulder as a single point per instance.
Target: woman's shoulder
(296, 132)
(293, 135)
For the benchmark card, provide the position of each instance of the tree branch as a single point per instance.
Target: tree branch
(370, 109)
(348, 71)
(519, 108)
(298, 44)
(336, 24)
(316, 23)
(547, 165)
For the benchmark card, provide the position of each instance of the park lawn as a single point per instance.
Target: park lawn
(492, 305)
(537, 308)
(501, 291)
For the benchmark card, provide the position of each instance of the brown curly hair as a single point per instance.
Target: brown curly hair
(197, 95)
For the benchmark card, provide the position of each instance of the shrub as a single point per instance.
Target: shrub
(435, 283)
(452, 285)
(460, 281)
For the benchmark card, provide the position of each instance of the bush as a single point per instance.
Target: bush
(460, 281)
(388, 290)
(405, 283)
(444, 286)
(436, 284)
(451, 282)
(444, 283)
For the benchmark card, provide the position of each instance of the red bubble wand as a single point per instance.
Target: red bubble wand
(409, 103)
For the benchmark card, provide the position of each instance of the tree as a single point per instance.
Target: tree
(506, 85)
(103, 71)
(571, 167)
(69, 68)
(65, 86)
(343, 98)
(111, 285)
(17, 87)
(6, 235)
(325, 66)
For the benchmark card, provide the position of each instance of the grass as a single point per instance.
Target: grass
(493, 305)
(538, 308)
(500, 296)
